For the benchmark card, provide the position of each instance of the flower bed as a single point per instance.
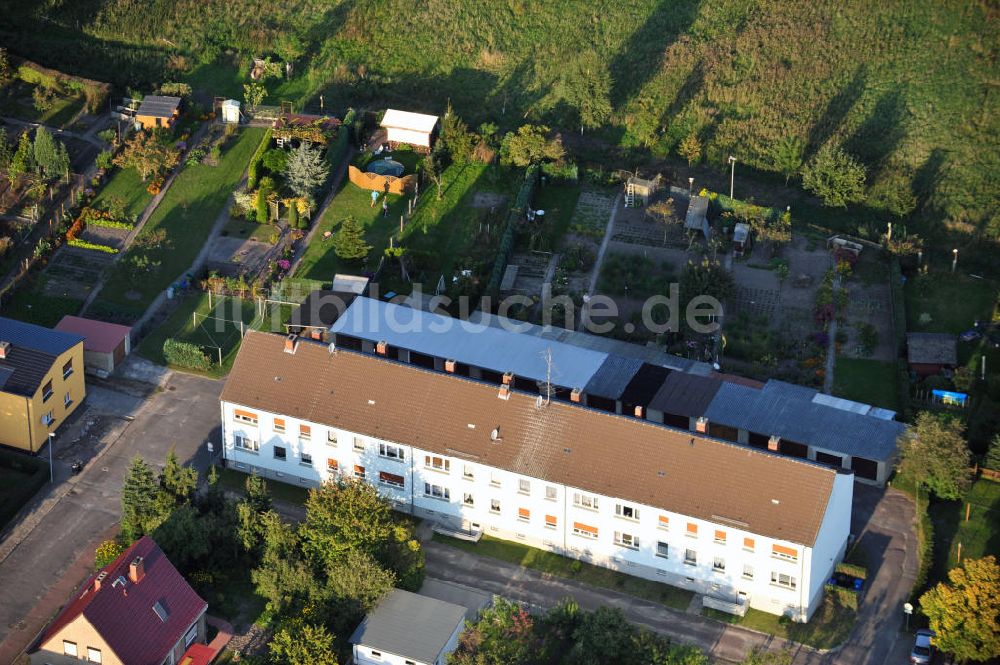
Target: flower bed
(83, 244)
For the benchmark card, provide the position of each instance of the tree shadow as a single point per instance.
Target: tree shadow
(881, 132)
(925, 181)
(836, 111)
(639, 58)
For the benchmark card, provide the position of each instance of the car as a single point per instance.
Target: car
(923, 651)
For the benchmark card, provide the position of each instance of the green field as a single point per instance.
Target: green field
(979, 536)
(186, 213)
(16, 101)
(124, 184)
(560, 566)
(30, 304)
(217, 329)
(869, 381)
(320, 261)
(767, 82)
(948, 303)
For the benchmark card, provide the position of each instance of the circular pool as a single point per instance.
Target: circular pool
(386, 167)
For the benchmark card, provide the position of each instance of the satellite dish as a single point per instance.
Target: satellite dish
(495, 434)
(539, 401)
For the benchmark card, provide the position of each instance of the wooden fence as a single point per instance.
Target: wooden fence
(381, 183)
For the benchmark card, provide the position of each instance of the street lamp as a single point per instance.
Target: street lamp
(907, 610)
(954, 259)
(690, 185)
(732, 174)
(52, 443)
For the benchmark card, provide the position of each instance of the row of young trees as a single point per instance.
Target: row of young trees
(962, 611)
(318, 578)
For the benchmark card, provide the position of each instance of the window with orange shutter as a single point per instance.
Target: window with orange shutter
(248, 417)
(305, 431)
(331, 465)
(783, 552)
(551, 521)
(664, 522)
(748, 544)
(523, 514)
(720, 536)
(359, 472)
(584, 530)
(279, 424)
(692, 529)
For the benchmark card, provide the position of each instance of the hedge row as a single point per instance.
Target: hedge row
(258, 155)
(83, 244)
(521, 204)
(338, 147)
(899, 327)
(186, 355)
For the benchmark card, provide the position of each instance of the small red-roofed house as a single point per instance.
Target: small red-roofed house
(105, 345)
(137, 610)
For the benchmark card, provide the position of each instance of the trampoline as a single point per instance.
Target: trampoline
(386, 167)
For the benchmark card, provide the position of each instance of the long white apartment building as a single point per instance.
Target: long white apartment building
(741, 525)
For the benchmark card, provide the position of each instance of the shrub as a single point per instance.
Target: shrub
(104, 158)
(293, 216)
(83, 244)
(107, 552)
(184, 354)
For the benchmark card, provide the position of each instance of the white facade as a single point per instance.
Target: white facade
(407, 127)
(721, 558)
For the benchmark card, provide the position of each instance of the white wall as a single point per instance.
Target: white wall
(485, 484)
(364, 656)
(408, 136)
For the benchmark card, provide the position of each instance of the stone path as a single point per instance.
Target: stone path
(596, 271)
(831, 346)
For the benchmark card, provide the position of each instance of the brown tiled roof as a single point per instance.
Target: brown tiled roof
(563, 443)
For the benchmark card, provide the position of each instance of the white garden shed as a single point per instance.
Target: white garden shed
(416, 129)
(231, 111)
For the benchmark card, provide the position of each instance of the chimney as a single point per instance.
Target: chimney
(136, 570)
(701, 425)
(773, 442)
(574, 396)
(638, 412)
(504, 392)
(290, 343)
(382, 347)
(100, 578)
(4, 349)
(449, 366)
(508, 378)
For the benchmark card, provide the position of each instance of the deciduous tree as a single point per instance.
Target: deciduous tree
(253, 95)
(149, 153)
(835, 177)
(530, 144)
(301, 643)
(963, 612)
(690, 148)
(586, 87)
(934, 453)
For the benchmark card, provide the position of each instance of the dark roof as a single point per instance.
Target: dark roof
(644, 385)
(409, 625)
(697, 213)
(123, 615)
(321, 308)
(932, 349)
(612, 377)
(99, 336)
(31, 354)
(799, 414)
(560, 442)
(685, 394)
(158, 106)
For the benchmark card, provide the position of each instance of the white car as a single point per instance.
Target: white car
(923, 650)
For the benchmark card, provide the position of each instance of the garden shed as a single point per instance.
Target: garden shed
(931, 353)
(697, 216)
(741, 239)
(105, 345)
(416, 129)
(639, 191)
(158, 111)
(230, 111)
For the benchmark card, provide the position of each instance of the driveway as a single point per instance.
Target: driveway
(68, 520)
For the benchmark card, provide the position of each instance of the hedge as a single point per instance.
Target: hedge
(15, 496)
(521, 204)
(898, 302)
(184, 354)
(848, 597)
(852, 569)
(258, 155)
(83, 244)
(338, 147)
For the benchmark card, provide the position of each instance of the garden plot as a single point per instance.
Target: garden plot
(74, 271)
(531, 270)
(637, 227)
(234, 256)
(593, 210)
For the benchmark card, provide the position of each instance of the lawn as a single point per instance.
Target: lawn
(29, 304)
(869, 381)
(244, 228)
(16, 101)
(947, 303)
(558, 202)
(236, 481)
(221, 332)
(978, 537)
(321, 262)
(186, 213)
(555, 564)
(830, 626)
(126, 185)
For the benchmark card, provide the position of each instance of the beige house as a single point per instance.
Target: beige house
(138, 610)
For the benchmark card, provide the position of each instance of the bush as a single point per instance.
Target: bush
(293, 215)
(184, 354)
(253, 170)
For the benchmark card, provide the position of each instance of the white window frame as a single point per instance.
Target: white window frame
(468, 499)
(719, 564)
(586, 501)
(747, 571)
(243, 419)
(331, 438)
(662, 549)
(688, 559)
(306, 459)
(69, 648)
(551, 493)
(93, 655)
(524, 487)
(443, 465)
(392, 452)
(284, 456)
(626, 540)
(790, 583)
(495, 479)
(191, 635)
(400, 485)
(245, 443)
(468, 473)
(437, 492)
(495, 506)
(622, 508)
(359, 444)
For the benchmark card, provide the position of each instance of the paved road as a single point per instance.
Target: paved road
(61, 530)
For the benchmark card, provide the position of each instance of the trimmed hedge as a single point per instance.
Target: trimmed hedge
(338, 147)
(258, 155)
(83, 244)
(507, 240)
(14, 497)
(852, 569)
(184, 354)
